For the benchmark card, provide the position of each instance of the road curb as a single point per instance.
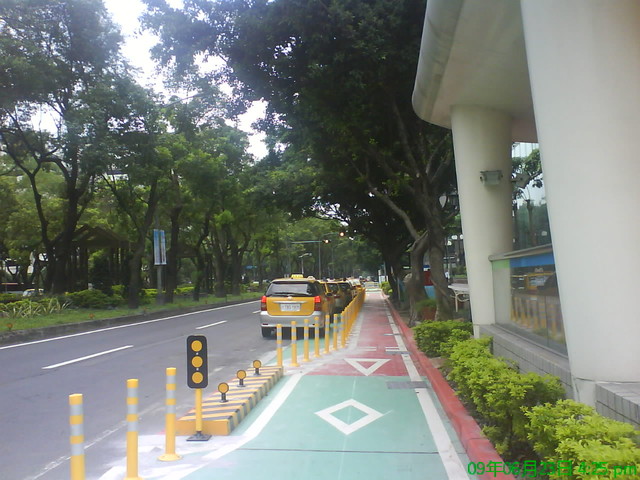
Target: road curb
(477, 446)
(220, 418)
(32, 334)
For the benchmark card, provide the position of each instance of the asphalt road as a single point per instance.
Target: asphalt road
(37, 378)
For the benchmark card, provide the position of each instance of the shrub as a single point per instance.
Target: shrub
(431, 336)
(498, 392)
(21, 309)
(569, 431)
(386, 288)
(52, 305)
(118, 290)
(184, 290)
(92, 299)
(9, 298)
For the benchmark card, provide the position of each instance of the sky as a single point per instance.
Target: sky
(136, 49)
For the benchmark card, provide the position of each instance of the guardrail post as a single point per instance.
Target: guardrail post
(305, 356)
(327, 333)
(279, 344)
(132, 429)
(335, 333)
(343, 331)
(316, 338)
(76, 422)
(170, 419)
(294, 344)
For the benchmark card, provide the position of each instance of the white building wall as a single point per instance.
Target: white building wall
(584, 67)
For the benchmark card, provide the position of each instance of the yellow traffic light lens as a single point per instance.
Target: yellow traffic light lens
(196, 345)
(197, 377)
(197, 362)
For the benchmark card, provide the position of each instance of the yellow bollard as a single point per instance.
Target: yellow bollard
(170, 419)
(327, 334)
(343, 331)
(305, 356)
(316, 338)
(76, 422)
(294, 344)
(335, 334)
(279, 344)
(132, 429)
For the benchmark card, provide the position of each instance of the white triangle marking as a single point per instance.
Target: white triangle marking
(376, 363)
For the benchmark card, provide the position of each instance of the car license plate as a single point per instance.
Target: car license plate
(289, 307)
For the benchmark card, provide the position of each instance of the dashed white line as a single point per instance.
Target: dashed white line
(135, 324)
(75, 360)
(211, 325)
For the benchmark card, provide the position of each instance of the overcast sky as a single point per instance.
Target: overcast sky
(136, 49)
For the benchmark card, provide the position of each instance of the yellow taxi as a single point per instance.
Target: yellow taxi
(295, 299)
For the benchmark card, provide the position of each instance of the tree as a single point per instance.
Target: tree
(59, 63)
(138, 176)
(526, 171)
(337, 77)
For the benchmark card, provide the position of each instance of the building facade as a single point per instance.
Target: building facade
(566, 75)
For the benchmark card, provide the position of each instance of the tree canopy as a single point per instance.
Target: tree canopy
(338, 77)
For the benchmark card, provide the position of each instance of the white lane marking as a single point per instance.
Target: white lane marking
(75, 360)
(257, 311)
(211, 325)
(258, 425)
(119, 326)
(446, 450)
(376, 363)
(178, 472)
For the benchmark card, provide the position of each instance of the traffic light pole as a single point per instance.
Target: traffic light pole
(197, 378)
(199, 436)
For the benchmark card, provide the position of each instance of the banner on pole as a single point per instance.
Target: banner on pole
(159, 248)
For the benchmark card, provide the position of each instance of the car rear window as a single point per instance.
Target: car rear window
(296, 289)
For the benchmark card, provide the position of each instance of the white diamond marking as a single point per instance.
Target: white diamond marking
(371, 415)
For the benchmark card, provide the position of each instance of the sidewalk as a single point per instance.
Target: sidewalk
(363, 411)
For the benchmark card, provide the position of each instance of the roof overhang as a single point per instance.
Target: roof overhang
(473, 53)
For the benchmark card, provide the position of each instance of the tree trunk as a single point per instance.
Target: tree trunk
(220, 271)
(441, 285)
(171, 280)
(135, 280)
(415, 285)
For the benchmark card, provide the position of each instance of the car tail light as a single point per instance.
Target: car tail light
(263, 303)
(317, 304)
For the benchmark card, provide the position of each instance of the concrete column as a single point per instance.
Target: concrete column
(584, 65)
(482, 141)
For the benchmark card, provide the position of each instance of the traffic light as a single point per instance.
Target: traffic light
(197, 376)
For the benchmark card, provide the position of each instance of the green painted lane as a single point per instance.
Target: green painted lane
(356, 427)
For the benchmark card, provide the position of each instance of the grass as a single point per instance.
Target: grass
(84, 314)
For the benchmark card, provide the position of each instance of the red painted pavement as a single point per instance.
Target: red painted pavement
(375, 333)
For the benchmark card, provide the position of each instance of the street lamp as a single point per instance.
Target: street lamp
(301, 257)
(319, 242)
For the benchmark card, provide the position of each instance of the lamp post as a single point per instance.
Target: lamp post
(301, 257)
(319, 242)
(331, 271)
